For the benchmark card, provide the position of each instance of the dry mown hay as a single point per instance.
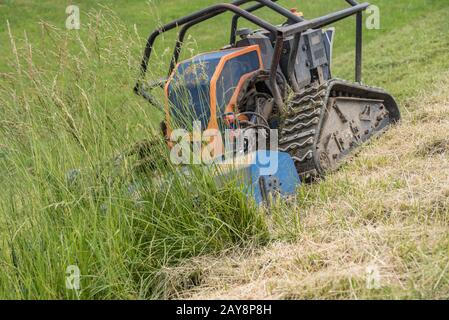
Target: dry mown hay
(386, 211)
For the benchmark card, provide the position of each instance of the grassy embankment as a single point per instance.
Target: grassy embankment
(66, 103)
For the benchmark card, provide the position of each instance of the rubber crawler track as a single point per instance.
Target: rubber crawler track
(300, 128)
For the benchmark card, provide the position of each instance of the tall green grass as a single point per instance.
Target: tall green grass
(146, 15)
(70, 195)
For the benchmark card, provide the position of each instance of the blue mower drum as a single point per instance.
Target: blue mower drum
(265, 175)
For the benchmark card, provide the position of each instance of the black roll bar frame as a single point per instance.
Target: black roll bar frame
(280, 33)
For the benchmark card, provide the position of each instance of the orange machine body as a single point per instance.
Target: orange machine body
(208, 85)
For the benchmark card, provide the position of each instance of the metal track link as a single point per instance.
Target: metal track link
(310, 130)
